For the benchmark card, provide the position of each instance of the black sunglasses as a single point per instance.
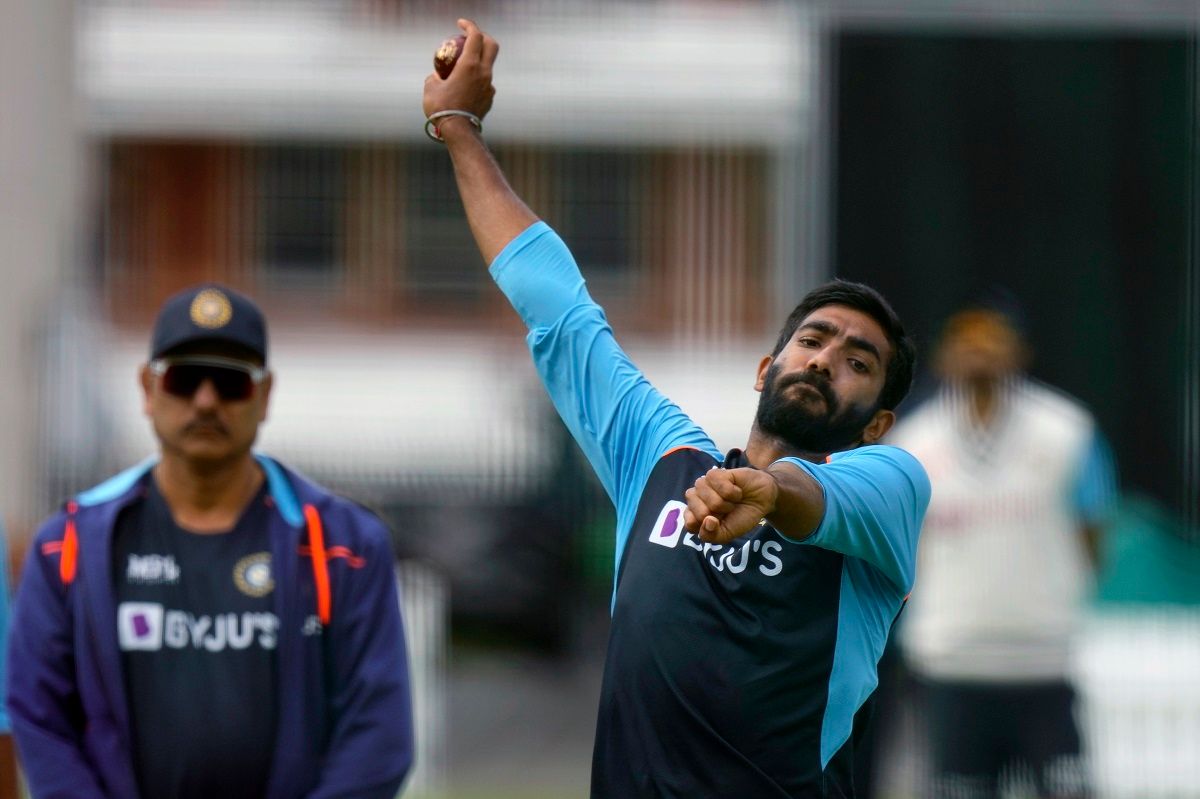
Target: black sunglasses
(232, 379)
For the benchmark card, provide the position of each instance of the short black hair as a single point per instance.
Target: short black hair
(899, 375)
(1000, 299)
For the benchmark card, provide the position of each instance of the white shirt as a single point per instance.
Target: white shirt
(1002, 568)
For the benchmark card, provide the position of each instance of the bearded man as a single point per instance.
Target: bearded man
(755, 589)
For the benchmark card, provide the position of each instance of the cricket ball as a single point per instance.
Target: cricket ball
(447, 55)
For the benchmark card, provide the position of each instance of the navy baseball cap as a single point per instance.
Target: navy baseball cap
(209, 312)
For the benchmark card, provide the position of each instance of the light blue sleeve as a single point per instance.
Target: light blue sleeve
(622, 423)
(1096, 487)
(875, 501)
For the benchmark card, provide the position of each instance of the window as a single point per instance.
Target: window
(299, 202)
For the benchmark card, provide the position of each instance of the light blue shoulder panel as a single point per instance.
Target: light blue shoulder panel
(116, 485)
(281, 491)
(277, 483)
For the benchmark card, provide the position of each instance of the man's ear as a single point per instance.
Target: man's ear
(878, 427)
(147, 381)
(763, 366)
(264, 389)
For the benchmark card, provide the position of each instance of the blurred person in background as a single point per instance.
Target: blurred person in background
(1022, 482)
(756, 588)
(209, 623)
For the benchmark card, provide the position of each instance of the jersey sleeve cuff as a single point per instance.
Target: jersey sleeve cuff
(514, 247)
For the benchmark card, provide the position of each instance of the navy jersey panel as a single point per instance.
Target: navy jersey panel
(719, 659)
(200, 674)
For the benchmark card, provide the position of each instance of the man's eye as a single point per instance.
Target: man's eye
(858, 365)
(808, 342)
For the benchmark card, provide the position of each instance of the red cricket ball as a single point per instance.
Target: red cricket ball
(446, 55)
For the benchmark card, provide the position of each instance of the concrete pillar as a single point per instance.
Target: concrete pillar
(39, 169)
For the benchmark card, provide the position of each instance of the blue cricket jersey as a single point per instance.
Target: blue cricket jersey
(734, 671)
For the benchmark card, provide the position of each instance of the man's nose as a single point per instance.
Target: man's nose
(820, 361)
(206, 395)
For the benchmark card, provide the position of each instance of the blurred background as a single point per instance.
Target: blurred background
(708, 163)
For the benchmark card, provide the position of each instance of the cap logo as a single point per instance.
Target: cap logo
(211, 309)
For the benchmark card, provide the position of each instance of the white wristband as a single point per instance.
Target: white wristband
(431, 128)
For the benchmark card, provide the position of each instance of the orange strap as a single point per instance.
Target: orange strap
(70, 548)
(675, 449)
(320, 563)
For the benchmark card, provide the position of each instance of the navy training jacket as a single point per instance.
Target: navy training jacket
(345, 720)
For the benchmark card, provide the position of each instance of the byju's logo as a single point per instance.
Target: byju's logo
(147, 626)
(759, 550)
(669, 527)
(140, 626)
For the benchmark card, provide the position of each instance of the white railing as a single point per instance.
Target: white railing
(425, 606)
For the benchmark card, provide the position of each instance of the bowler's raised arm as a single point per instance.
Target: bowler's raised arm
(494, 211)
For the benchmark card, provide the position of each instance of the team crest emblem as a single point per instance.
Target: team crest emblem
(252, 575)
(211, 309)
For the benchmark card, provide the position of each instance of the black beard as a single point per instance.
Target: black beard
(803, 429)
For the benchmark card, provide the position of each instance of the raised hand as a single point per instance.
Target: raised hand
(469, 86)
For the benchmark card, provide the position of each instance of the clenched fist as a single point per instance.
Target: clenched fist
(727, 503)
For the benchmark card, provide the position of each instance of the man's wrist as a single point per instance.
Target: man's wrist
(776, 488)
(452, 127)
(799, 501)
(438, 124)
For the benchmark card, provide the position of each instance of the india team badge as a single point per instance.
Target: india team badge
(252, 575)
(669, 527)
(211, 309)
